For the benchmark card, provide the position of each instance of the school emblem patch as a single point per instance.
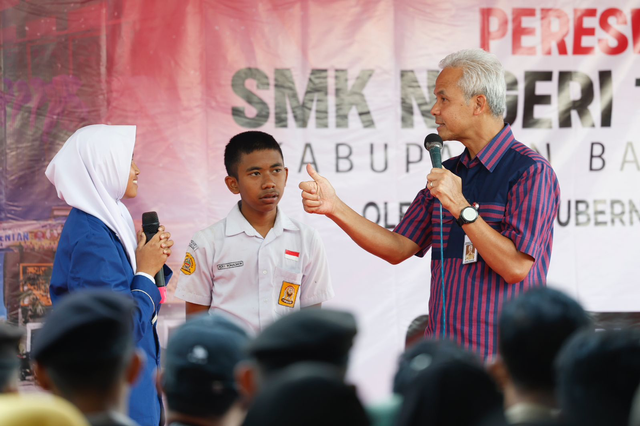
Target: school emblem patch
(288, 294)
(189, 265)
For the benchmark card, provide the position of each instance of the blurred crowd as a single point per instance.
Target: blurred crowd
(553, 368)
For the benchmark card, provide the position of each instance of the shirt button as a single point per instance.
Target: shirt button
(264, 272)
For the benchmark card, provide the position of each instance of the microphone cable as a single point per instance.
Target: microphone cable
(444, 305)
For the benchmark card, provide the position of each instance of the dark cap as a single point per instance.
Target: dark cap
(426, 354)
(199, 365)
(86, 328)
(455, 392)
(310, 394)
(10, 336)
(322, 335)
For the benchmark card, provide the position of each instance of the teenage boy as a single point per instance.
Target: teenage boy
(257, 264)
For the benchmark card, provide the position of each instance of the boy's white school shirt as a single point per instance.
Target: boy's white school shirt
(230, 267)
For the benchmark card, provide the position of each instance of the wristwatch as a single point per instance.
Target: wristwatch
(468, 215)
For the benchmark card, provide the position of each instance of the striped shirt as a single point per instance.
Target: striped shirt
(518, 193)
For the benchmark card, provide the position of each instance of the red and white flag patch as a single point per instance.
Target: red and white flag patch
(292, 255)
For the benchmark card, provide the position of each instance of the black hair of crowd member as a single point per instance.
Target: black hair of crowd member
(415, 331)
(427, 354)
(533, 328)
(451, 393)
(598, 374)
(310, 394)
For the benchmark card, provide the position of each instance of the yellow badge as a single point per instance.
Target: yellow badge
(189, 265)
(288, 294)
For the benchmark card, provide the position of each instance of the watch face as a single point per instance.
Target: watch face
(469, 213)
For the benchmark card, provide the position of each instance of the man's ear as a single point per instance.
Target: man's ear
(135, 367)
(480, 104)
(42, 377)
(246, 381)
(232, 184)
(286, 176)
(498, 370)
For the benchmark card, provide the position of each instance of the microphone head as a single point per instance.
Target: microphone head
(149, 221)
(433, 140)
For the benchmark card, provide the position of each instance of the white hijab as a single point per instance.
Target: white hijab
(91, 173)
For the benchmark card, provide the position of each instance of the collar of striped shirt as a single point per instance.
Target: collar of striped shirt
(491, 154)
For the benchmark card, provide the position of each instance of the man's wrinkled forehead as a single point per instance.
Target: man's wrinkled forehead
(447, 81)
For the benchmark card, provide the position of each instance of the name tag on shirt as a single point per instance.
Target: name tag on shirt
(469, 252)
(230, 265)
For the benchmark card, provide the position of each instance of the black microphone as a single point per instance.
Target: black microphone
(150, 225)
(433, 144)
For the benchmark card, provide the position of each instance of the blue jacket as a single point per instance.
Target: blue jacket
(90, 255)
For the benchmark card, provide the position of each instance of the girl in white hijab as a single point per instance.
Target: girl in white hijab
(98, 247)
(91, 173)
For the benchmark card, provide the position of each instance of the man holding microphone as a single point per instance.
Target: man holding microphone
(499, 200)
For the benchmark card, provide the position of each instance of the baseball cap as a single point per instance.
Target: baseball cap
(199, 365)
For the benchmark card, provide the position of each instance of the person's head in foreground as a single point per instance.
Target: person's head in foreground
(533, 328)
(38, 410)
(427, 354)
(456, 392)
(310, 394)
(85, 351)
(598, 375)
(198, 379)
(317, 335)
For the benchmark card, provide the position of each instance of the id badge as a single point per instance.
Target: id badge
(469, 252)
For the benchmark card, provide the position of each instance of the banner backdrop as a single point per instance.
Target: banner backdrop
(346, 86)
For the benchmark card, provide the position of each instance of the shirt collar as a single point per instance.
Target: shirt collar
(236, 223)
(490, 155)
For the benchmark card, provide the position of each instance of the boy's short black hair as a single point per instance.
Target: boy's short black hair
(246, 143)
(598, 374)
(533, 328)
